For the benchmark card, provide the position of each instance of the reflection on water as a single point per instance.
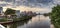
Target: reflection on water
(39, 21)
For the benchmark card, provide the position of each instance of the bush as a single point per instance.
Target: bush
(22, 18)
(55, 16)
(3, 20)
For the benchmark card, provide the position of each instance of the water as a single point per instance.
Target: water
(38, 21)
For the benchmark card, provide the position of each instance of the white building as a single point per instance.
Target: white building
(18, 13)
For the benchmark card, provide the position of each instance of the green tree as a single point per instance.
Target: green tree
(9, 11)
(55, 16)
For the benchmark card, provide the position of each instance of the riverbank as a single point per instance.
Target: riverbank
(16, 20)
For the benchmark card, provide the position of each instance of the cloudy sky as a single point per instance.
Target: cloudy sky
(29, 5)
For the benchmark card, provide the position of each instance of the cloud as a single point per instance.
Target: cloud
(35, 3)
(25, 5)
(30, 3)
(3, 3)
(35, 9)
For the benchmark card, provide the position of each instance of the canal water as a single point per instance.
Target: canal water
(38, 21)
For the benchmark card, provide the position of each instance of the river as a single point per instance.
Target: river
(38, 21)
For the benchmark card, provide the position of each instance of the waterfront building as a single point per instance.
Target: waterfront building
(18, 13)
(1, 10)
(1, 13)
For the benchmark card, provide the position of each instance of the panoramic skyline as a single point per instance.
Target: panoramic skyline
(29, 5)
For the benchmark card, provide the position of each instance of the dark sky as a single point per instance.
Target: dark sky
(31, 3)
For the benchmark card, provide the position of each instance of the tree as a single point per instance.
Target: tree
(9, 11)
(55, 16)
